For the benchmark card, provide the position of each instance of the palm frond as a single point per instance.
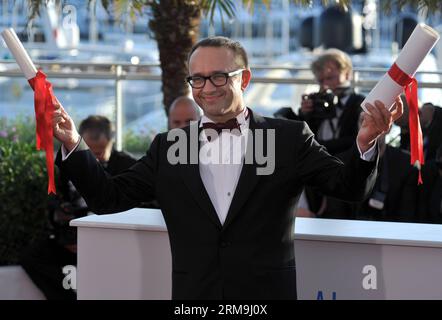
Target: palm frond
(425, 6)
(34, 7)
(132, 8)
(105, 3)
(225, 7)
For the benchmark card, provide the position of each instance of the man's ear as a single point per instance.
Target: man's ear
(245, 80)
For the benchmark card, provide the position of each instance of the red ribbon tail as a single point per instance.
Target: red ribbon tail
(38, 83)
(416, 141)
(43, 97)
(419, 181)
(50, 168)
(49, 146)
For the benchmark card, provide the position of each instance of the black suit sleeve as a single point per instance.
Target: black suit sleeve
(106, 194)
(316, 167)
(335, 146)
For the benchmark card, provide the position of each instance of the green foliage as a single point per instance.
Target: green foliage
(20, 129)
(34, 9)
(228, 7)
(23, 189)
(121, 8)
(427, 6)
(137, 144)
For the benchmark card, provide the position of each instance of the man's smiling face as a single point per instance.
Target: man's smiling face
(224, 102)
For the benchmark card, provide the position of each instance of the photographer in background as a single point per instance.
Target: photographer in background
(333, 112)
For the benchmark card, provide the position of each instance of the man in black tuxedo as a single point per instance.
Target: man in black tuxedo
(229, 222)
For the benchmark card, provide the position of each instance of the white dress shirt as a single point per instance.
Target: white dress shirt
(220, 164)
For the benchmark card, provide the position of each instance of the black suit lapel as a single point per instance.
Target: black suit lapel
(346, 111)
(349, 110)
(192, 179)
(248, 177)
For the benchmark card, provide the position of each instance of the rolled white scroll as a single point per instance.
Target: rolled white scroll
(18, 51)
(420, 43)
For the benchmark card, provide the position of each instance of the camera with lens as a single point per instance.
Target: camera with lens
(324, 104)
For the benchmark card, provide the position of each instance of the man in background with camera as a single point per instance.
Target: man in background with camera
(333, 112)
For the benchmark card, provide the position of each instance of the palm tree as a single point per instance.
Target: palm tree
(175, 26)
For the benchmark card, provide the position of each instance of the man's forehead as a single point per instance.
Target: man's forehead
(209, 59)
(92, 136)
(183, 107)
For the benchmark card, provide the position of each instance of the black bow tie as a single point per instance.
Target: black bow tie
(219, 127)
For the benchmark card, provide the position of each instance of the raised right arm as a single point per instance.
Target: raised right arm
(103, 193)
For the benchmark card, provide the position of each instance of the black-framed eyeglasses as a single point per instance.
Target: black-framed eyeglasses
(218, 79)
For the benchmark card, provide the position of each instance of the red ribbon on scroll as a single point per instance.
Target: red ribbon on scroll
(410, 88)
(44, 100)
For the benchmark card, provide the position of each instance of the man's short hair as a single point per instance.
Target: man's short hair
(338, 57)
(223, 42)
(96, 126)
